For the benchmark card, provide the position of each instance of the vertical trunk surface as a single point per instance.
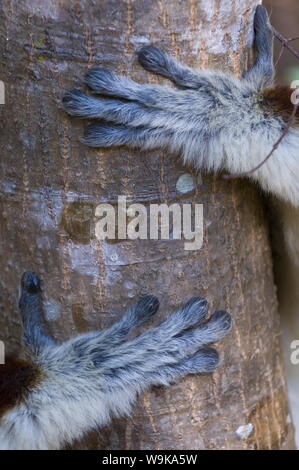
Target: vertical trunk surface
(285, 218)
(51, 184)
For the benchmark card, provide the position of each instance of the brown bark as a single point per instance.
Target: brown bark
(50, 185)
(285, 218)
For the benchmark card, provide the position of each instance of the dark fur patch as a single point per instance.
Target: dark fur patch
(278, 101)
(17, 377)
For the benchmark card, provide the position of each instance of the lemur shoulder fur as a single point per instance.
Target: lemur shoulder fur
(214, 120)
(64, 390)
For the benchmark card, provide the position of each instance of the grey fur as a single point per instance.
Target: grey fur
(214, 120)
(30, 304)
(263, 66)
(90, 378)
(154, 60)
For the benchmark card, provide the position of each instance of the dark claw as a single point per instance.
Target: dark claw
(102, 134)
(206, 359)
(222, 319)
(96, 75)
(147, 306)
(30, 282)
(101, 80)
(261, 17)
(96, 70)
(151, 58)
(72, 95)
(195, 310)
(76, 103)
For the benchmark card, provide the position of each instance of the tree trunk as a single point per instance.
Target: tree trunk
(51, 184)
(285, 222)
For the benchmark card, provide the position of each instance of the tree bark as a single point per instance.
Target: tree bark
(51, 184)
(285, 221)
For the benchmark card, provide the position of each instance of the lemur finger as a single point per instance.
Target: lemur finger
(154, 60)
(187, 342)
(30, 282)
(96, 342)
(173, 113)
(160, 347)
(143, 310)
(77, 103)
(194, 312)
(104, 82)
(261, 19)
(106, 135)
(30, 303)
(155, 372)
(169, 342)
(139, 313)
(190, 341)
(159, 370)
(263, 30)
(158, 338)
(204, 360)
(215, 328)
(262, 71)
(103, 134)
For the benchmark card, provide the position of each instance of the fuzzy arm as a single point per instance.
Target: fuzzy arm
(262, 71)
(30, 305)
(199, 122)
(79, 385)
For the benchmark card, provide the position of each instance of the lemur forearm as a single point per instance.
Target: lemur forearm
(215, 120)
(78, 385)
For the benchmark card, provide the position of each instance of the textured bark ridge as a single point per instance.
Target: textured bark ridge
(51, 184)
